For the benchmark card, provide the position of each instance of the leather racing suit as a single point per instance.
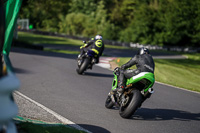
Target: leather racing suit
(144, 63)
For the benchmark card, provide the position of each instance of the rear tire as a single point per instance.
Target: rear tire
(109, 104)
(84, 66)
(134, 102)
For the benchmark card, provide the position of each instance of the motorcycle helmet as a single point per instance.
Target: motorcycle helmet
(142, 51)
(98, 37)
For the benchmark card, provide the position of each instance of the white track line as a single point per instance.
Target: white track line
(59, 117)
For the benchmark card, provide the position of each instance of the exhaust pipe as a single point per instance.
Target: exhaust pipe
(148, 93)
(151, 90)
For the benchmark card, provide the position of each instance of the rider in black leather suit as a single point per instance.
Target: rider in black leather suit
(144, 63)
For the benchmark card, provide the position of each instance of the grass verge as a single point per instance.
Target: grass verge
(31, 38)
(26, 125)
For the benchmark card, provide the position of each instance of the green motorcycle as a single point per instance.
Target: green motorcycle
(138, 89)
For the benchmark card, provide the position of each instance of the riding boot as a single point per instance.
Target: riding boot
(122, 82)
(121, 88)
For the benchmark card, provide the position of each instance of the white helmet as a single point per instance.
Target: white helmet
(98, 37)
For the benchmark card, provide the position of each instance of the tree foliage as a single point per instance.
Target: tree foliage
(156, 22)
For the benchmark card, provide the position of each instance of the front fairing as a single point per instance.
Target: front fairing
(115, 82)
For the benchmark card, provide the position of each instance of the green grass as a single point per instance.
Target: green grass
(116, 47)
(31, 38)
(28, 127)
(184, 73)
(44, 39)
(35, 39)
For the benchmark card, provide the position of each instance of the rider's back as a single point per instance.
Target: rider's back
(99, 48)
(145, 63)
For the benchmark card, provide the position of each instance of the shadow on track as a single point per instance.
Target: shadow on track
(98, 74)
(22, 71)
(165, 114)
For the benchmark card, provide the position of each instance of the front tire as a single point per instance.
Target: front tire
(135, 100)
(84, 66)
(109, 104)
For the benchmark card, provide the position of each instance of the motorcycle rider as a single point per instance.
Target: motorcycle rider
(144, 63)
(95, 44)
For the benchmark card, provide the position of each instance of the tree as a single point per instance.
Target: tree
(103, 25)
(142, 28)
(157, 22)
(83, 6)
(73, 23)
(44, 14)
(179, 21)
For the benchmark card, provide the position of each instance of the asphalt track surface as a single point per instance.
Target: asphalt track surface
(51, 79)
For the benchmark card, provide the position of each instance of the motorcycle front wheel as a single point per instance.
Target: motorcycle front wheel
(134, 101)
(84, 66)
(109, 104)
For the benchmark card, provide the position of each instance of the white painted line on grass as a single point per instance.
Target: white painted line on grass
(59, 117)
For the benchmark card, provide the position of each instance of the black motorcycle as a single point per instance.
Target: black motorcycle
(85, 61)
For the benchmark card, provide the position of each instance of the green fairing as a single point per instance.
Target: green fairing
(114, 83)
(135, 79)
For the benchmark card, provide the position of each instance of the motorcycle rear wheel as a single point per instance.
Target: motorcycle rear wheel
(135, 100)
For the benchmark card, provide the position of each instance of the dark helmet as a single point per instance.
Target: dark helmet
(143, 51)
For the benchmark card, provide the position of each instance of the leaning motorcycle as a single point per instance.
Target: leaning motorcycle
(86, 61)
(138, 89)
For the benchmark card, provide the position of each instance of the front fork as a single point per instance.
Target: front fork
(117, 98)
(79, 60)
